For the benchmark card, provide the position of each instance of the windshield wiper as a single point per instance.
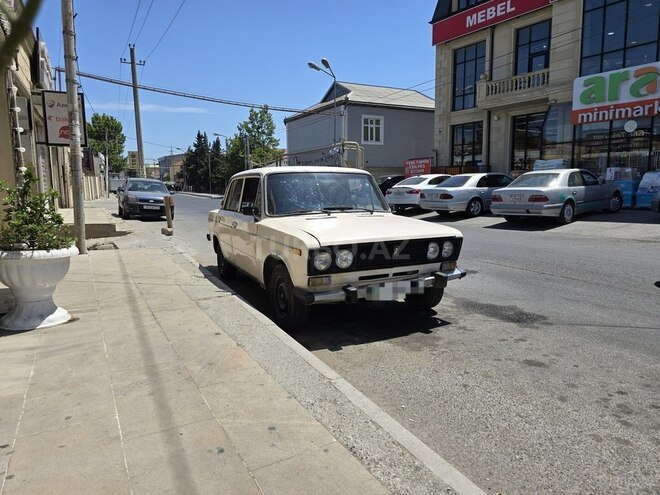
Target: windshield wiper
(301, 212)
(329, 209)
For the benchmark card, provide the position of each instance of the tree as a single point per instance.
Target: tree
(105, 129)
(260, 130)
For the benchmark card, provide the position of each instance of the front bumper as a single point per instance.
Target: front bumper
(384, 291)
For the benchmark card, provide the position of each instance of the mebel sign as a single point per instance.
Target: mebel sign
(617, 95)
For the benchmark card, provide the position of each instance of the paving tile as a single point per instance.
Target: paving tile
(169, 399)
(319, 472)
(194, 458)
(80, 458)
(266, 443)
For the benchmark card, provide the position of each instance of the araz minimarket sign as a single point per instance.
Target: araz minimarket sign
(622, 94)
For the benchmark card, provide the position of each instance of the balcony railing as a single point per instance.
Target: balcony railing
(504, 89)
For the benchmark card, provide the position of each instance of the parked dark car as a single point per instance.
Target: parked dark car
(386, 181)
(142, 198)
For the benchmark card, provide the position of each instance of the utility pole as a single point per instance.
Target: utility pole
(136, 106)
(70, 58)
(107, 164)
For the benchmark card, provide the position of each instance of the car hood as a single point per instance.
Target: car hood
(350, 228)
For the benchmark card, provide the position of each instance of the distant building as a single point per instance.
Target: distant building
(375, 127)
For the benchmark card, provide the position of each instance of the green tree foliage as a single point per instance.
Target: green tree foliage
(104, 127)
(260, 128)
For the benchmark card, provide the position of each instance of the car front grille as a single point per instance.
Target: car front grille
(384, 255)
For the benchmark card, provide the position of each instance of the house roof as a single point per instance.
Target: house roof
(365, 94)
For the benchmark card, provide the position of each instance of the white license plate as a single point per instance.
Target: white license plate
(515, 197)
(151, 207)
(398, 193)
(390, 291)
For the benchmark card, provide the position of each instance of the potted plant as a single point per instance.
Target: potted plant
(35, 254)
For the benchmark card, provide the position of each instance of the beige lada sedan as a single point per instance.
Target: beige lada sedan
(322, 235)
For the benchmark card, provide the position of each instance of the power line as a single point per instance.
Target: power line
(196, 96)
(143, 22)
(132, 25)
(166, 30)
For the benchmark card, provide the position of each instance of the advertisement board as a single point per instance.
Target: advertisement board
(481, 16)
(622, 94)
(417, 166)
(57, 118)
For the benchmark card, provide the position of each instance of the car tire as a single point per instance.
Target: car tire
(615, 204)
(226, 270)
(431, 297)
(289, 312)
(566, 214)
(475, 207)
(511, 218)
(443, 213)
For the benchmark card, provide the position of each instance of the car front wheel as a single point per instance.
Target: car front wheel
(431, 297)
(615, 204)
(289, 312)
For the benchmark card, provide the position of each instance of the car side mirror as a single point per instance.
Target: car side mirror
(251, 210)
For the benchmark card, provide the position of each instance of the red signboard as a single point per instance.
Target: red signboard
(481, 16)
(417, 166)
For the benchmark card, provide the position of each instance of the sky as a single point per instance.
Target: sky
(247, 51)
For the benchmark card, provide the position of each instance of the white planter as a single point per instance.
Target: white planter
(32, 277)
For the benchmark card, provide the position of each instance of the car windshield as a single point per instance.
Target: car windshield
(455, 181)
(321, 192)
(411, 181)
(147, 186)
(535, 180)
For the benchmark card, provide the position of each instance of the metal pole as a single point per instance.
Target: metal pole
(68, 32)
(136, 104)
(209, 168)
(107, 163)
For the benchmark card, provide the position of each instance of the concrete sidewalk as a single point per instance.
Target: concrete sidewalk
(144, 393)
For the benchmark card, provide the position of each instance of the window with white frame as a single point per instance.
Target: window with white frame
(372, 129)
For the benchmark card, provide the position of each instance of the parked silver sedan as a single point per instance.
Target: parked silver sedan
(561, 194)
(464, 192)
(406, 193)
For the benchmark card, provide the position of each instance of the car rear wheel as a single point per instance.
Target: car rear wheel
(226, 270)
(289, 312)
(431, 297)
(566, 214)
(615, 204)
(475, 207)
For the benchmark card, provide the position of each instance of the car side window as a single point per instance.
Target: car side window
(234, 195)
(589, 179)
(575, 180)
(483, 182)
(436, 180)
(497, 180)
(250, 189)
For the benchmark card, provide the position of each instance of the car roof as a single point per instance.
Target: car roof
(556, 170)
(300, 168)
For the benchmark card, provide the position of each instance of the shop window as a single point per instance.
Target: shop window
(527, 141)
(469, 64)
(619, 34)
(533, 48)
(467, 143)
(466, 4)
(372, 129)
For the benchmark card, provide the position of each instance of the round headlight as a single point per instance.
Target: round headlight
(322, 261)
(344, 259)
(447, 249)
(433, 251)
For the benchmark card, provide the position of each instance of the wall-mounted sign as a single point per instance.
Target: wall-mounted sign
(623, 94)
(56, 114)
(481, 16)
(417, 166)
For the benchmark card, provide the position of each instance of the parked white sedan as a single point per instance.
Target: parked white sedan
(465, 192)
(405, 194)
(561, 194)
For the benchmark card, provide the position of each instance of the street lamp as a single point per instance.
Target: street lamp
(330, 72)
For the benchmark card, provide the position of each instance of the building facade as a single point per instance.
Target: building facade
(574, 81)
(372, 127)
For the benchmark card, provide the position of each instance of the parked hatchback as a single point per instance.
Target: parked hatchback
(560, 194)
(405, 194)
(464, 192)
(142, 198)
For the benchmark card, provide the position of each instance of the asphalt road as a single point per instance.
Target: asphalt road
(537, 373)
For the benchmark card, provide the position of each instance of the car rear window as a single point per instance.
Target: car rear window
(411, 181)
(535, 180)
(456, 181)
